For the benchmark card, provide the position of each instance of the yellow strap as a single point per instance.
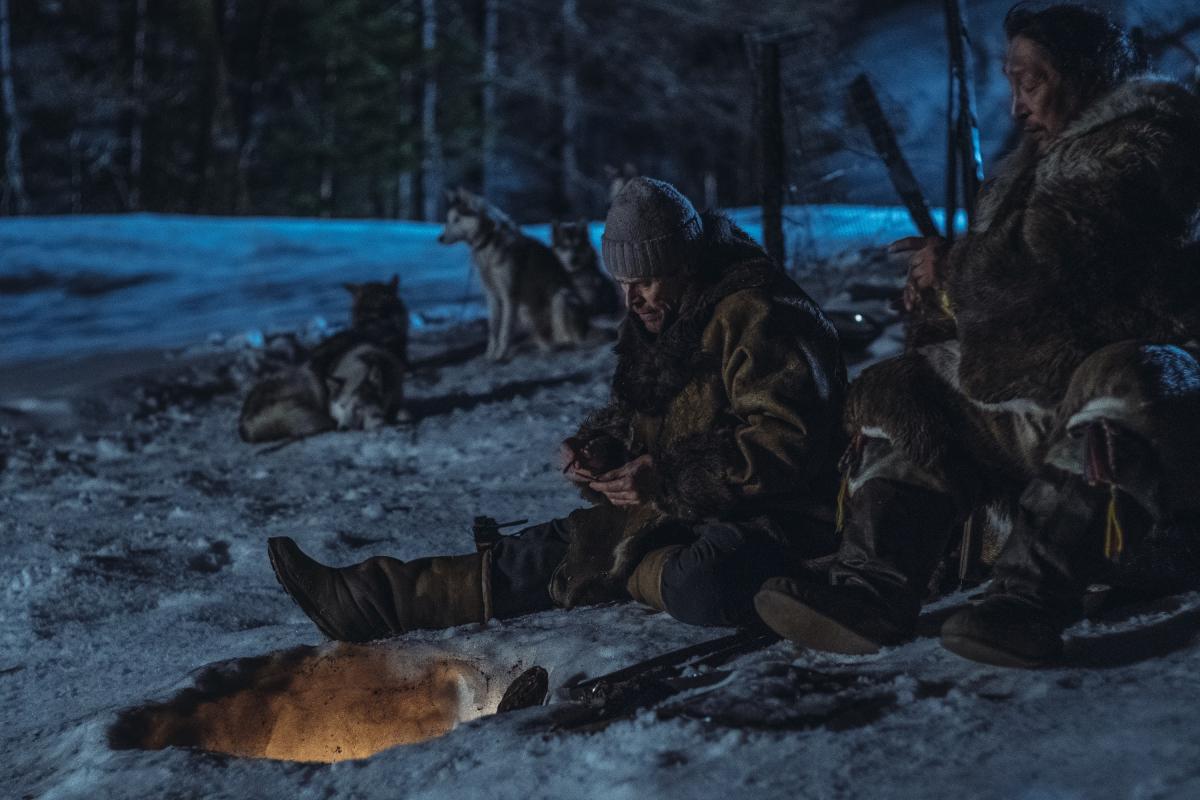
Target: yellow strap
(944, 301)
(843, 493)
(1114, 536)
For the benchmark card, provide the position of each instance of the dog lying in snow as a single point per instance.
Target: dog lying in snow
(353, 380)
(522, 278)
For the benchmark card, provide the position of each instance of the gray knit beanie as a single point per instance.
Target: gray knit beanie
(650, 231)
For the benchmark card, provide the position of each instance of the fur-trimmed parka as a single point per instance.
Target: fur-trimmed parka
(738, 401)
(1094, 241)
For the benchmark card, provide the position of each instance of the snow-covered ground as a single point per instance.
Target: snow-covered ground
(133, 525)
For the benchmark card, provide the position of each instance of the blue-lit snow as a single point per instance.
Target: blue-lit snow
(204, 277)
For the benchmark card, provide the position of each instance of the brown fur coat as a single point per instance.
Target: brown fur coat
(1095, 241)
(738, 402)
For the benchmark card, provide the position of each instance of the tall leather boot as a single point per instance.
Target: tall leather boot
(1054, 551)
(645, 584)
(894, 535)
(383, 596)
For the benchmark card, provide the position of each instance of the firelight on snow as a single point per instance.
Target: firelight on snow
(315, 704)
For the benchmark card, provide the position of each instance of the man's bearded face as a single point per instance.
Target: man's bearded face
(654, 301)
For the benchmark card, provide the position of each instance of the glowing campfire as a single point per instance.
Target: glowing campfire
(331, 703)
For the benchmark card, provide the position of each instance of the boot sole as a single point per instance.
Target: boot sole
(801, 625)
(293, 589)
(985, 653)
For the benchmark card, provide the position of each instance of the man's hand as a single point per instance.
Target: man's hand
(630, 485)
(926, 265)
(569, 458)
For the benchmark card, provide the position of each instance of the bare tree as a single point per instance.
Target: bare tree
(15, 188)
(213, 98)
(431, 157)
(137, 91)
(491, 69)
(328, 135)
(571, 106)
(249, 119)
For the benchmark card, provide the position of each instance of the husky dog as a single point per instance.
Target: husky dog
(574, 249)
(352, 380)
(617, 178)
(520, 275)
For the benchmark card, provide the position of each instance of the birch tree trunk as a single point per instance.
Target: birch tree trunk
(213, 100)
(249, 123)
(431, 156)
(12, 121)
(570, 107)
(137, 91)
(491, 70)
(328, 136)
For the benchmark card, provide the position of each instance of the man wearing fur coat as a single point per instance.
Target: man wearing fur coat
(1070, 384)
(713, 466)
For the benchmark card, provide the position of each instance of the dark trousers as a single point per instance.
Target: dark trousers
(711, 581)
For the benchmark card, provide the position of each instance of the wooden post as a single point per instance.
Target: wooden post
(771, 143)
(964, 125)
(862, 95)
(951, 205)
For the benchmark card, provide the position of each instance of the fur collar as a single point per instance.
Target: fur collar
(652, 370)
(1149, 94)
(1014, 174)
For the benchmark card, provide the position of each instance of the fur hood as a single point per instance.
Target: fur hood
(1093, 242)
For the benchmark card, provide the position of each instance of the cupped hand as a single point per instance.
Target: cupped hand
(628, 485)
(569, 459)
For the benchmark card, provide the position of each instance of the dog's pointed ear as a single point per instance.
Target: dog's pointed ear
(353, 288)
(394, 284)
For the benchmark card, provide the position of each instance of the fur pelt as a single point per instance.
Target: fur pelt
(1093, 241)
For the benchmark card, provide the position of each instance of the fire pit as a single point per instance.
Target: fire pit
(323, 704)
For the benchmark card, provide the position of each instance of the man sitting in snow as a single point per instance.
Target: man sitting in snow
(1071, 383)
(712, 468)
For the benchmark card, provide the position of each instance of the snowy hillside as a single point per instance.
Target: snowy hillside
(79, 285)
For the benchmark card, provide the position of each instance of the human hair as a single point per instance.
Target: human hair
(1092, 53)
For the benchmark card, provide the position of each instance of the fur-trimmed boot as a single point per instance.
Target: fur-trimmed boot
(894, 535)
(383, 596)
(645, 584)
(1056, 547)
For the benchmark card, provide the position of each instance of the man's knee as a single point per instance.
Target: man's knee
(1126, 381)
(904, 415)
(713, 580)
(1129, 420)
